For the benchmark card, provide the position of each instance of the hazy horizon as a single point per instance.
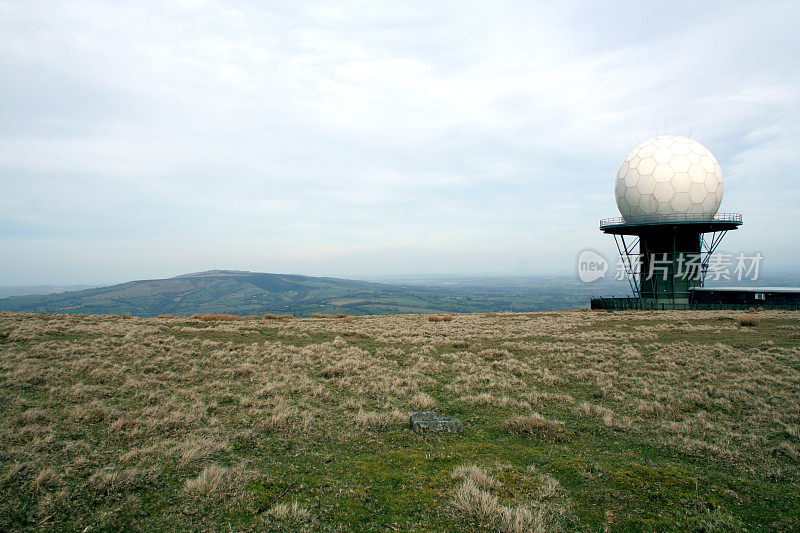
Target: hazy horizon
(376, 278)
(358, 140)
(783, 276)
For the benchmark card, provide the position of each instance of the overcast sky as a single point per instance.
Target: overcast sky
(357, 139)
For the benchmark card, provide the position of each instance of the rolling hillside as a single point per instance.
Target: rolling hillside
(213, 291)
(249, 293)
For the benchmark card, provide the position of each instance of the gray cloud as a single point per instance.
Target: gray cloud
(358, 138)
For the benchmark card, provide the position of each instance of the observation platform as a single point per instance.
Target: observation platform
(719, 222)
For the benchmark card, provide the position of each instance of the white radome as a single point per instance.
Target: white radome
(669, 175)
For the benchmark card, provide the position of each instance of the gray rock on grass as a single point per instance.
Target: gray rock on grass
(431, 422)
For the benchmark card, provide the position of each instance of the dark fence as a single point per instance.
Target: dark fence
(626, 304)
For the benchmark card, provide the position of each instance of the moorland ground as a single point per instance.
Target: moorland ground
(573, 421)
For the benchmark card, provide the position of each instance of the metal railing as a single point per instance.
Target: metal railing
(631, 304)
(675, 217)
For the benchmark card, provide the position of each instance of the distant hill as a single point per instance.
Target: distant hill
(25, 290)
(203, 292)
(245, 293)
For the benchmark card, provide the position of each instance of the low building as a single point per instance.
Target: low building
(709, 298)
(752, 296)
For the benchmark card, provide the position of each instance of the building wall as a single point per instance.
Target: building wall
(626, 304)
(746, 298)
(668, 244)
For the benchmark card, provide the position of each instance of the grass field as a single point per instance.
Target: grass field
(586, 421)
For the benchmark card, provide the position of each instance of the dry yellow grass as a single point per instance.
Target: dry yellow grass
(104, 416)
(215, 317)
(422, 402)
(441, 318)
(749, 321)
(272, 316)
(209, 482)
(477, 502)
(476, 475)
(290, 512)
(534, 424)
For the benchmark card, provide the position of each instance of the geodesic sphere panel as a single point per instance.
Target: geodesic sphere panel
(669, 175)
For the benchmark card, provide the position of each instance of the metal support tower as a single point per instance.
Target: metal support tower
(665, 242)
